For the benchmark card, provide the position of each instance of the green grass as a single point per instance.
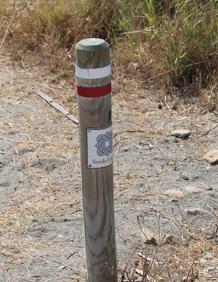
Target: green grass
(188, 41)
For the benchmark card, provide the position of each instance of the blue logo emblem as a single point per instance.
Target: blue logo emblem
(104, 144)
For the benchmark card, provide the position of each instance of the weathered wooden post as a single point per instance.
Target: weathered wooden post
(93, 75)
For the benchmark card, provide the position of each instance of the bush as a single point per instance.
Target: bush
(187, 42)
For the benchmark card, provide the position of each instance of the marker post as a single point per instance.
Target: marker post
(93, 77)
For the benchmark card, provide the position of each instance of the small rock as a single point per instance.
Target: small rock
(185, 177)
(1, 166)
(192, 189)
(37, 163)
(63, 267)
(209, 188)
(37, 231)
(211, 157)
(34, 220)
(25, 151)
(194, 211)
(181, 133)
(173, 200)
(132, 67)
(174, 193)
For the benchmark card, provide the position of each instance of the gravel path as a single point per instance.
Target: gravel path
(158, 178)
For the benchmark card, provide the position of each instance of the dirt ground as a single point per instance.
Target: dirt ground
(159, 180)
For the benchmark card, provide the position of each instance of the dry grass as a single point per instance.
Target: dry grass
(175, 40)
(175, 258)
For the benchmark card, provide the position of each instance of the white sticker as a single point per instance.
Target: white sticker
(93, 73)
(100, 153)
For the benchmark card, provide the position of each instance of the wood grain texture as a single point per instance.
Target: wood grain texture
(92, 53)
(98, 199)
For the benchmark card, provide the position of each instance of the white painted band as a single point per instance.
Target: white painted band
(93, 73)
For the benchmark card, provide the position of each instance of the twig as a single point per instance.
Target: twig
(174, 69)
(133, 32)
(71, 255)
(24, 96)
(184, 227)
(165, 100)
(56, 105)
(189, 272)
(158, 75)
(165, 154)
(126, 266)
(212, 210)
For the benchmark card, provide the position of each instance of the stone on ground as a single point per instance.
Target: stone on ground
(211, 157)
(174, 193)
(192, 189)
(181, 133)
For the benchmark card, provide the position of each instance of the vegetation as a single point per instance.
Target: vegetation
(179, 37)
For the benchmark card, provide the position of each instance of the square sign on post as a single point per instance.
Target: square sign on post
(99, 142)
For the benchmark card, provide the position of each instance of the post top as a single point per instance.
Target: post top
(91, 44)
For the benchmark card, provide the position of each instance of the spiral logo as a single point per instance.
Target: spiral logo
(104, 144)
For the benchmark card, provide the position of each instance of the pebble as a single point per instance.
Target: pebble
(211, 157)
(173, 200)
(63, 267)
(185, 177)
(194, 211)
(1, 166)
(37, 231)
(209, 188)
(181, 133)
(174, 193)
(25, 151)
(192, 189)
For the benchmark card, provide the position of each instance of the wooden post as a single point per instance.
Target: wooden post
(93, 75)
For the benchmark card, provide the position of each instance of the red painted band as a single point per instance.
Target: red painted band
(94, 92)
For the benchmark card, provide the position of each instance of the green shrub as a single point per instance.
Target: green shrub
(188, 41)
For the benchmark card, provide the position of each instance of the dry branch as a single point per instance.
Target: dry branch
(55, 105)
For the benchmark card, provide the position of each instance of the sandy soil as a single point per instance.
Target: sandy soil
(159, 179)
